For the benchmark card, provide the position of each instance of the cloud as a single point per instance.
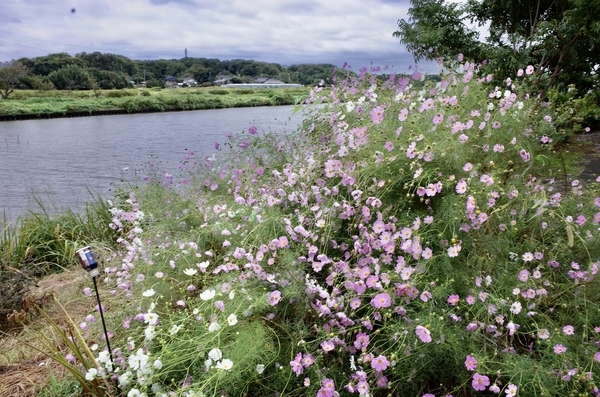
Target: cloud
(285, 32)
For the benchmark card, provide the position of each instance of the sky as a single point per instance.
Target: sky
(356, 32)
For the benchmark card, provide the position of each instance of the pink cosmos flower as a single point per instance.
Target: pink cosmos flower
(568, 330)
(524, 155)
(327, 346)
(428, 104)
(453, 299)
(380, 363)
(423, 333)
(377, 115)
(559, 349)
(480, 382)
(403, 114)
(529, 70)
(470, 363)
(362, 341)
(381, 300)
(297, 365)
(274, 297)
(307, 361)
(511, 390)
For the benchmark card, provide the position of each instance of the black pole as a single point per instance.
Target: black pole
(89, 264)
(112, 362)
(103, 324)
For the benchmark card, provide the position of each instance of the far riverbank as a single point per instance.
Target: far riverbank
(25, 105)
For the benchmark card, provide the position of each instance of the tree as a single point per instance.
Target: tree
(199, 72)
(561, 37)
(39, 84)
(71, 77)
(10, 78)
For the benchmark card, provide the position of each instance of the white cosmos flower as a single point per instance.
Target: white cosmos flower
(135, 393)
(226, 364)
(231, 294)
(213, 327)
(215, 354)
(232, 319)
(203, 265)
(208, 294)
(260, 368)
(190, 272)
(151, 318)
(157, 364)
(91, 374)
(148, 293)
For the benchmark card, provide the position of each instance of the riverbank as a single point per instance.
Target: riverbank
(25, 105)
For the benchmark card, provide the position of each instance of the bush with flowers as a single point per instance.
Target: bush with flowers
(413, 238)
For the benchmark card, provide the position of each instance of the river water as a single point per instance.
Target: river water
(58, 162)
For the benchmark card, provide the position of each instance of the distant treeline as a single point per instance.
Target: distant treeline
(109, 71)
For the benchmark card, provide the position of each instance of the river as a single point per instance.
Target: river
(62, 162)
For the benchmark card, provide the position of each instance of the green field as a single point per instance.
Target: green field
(64, 103)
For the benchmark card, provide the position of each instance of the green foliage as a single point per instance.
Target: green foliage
(219, 92)
(120, 93)
(109, 79)
(109, 62)
(71, 77)
(559, 37)
(45, 65)
(58, 388)
(437, 29)
(48, 241)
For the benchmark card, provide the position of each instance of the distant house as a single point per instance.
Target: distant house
(171, 81)
(267, 80)
(222, 79)
(190, 82)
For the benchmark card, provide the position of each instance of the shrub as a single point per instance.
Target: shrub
(119, 93)
(407, 241)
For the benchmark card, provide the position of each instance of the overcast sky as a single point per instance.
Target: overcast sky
(287, 32)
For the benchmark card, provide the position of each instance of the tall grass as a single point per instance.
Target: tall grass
(48, 241)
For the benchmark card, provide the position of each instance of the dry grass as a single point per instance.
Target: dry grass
(23, 370)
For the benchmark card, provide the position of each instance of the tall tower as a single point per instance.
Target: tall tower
(185, 52)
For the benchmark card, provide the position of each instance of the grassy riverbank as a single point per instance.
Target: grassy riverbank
(414, 242)
(62, 103)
